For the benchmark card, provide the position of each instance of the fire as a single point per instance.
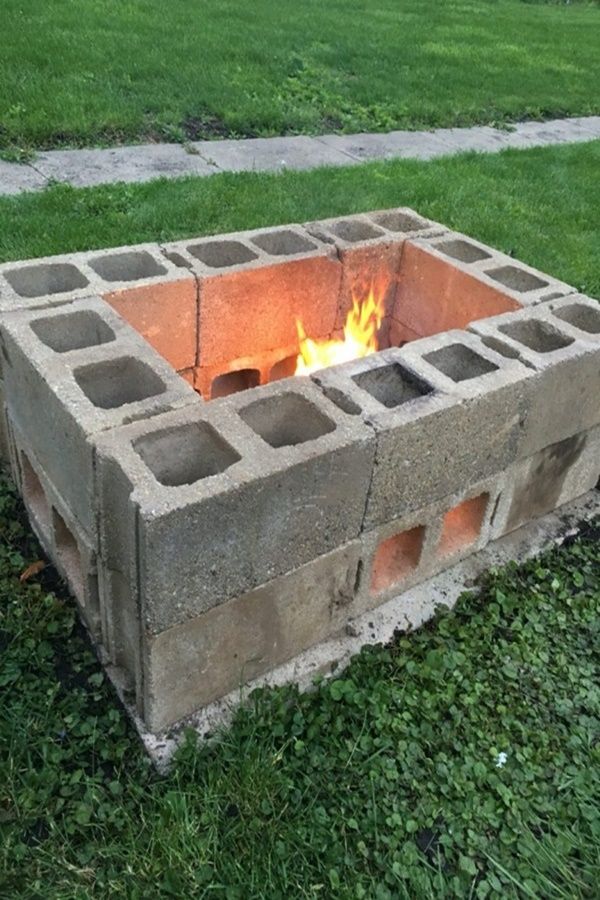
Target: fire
(360, 337)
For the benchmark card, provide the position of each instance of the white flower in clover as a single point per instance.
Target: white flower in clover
(501, 759)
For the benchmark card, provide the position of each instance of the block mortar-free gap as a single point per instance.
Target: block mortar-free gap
(461, 525)
(73, 331)
(48, 278)
(396, 558)
(392, 385)
(129, 266)
(286, 420)
(186, 453)
(115, 382)
(459, 362)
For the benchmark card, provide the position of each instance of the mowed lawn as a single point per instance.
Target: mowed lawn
(461, 761)
(79, 73)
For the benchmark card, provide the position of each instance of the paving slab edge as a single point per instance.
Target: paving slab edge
(145, 162)
(405, 612)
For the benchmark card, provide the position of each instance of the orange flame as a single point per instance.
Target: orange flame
(360, 337)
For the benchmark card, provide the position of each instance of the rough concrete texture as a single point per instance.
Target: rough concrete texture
(406, 611)
(144, 162)
(564, 389)
(210, 655)
(269, 479)
(69, 374)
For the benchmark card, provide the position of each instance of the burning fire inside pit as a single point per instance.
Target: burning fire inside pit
(360, 337)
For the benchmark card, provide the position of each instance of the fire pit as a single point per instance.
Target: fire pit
(234, 447)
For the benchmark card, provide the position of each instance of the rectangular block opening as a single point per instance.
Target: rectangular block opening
(580, 316)
(399, 221)
(34, 495)
(392, 385)
(464, 251)
(537, 335)
(461, 526)
(116, 382)
(286, 420)
(233, 382)
(517, 279)
(48, 278)
(69, 555)
(185, 454)
(355, 230)
(396, 558)
(282, 243)
(131, 265)
(73, 331)
(459, 362)
(220, 254)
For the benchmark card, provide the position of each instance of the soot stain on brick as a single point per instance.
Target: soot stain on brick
(540, 491)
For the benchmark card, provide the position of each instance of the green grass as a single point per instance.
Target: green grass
(383, 783)
(79, 73)
(541, 205)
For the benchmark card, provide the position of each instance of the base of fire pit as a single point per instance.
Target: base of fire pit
(407, 611)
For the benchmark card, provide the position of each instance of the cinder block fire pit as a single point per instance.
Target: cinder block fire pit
(234, 447)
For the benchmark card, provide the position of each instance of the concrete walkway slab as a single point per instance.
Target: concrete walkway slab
(270, 154)
(144, 162)
(85, 168)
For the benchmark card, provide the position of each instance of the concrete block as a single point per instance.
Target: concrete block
(43, 282)
(73, 372)
(447, 412)
(565, 365)
(548, 479)
(227, 496)
(255, 285)
(450, 281)
(204, 658)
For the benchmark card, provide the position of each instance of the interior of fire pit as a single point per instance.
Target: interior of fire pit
(73, 331)
(115, 382)
(185, 454)
(286, 420)
(392, 385)
(459, 362)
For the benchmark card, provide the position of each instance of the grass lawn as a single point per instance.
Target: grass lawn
(387, 782)
(79, 73)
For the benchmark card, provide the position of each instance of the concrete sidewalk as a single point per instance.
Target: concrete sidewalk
(144, 162)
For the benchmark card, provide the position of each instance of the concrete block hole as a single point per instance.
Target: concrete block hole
(354, 230)
(392, 385)
(73, 331)
(35, 496)
(69, 555)
(516, 279)
(49, 278)
(461, 525)
(220, 254)
(459, 362)
(233, 382)
(282, 243)
(185, 454)
(114, 382)
(464, 251)
(399, 221)
(583, 317)
(396, 557)
(129, 266)
(537, 335)
(285, 368)
(286, 420)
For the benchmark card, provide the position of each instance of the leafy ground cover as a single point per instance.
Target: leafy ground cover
(541, 205)
(101, 71)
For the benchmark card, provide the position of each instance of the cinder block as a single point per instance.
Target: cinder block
(369, 248)
(44, 282)
(565, 365)
(214, 653)
(548, 479)
(255, 285)
(227, 496)
(71, 373)
(449, 281)
(408, 550)
(447, 412)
